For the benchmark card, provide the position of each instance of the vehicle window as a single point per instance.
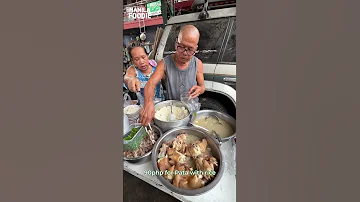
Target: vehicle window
(229, 55)
(212, 34)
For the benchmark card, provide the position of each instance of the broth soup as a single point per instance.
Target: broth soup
(221, 127)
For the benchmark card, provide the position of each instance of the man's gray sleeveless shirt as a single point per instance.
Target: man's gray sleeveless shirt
(179, 81)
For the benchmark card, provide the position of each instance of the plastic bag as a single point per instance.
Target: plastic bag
(127, 100)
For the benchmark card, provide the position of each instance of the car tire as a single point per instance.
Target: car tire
(211, 104)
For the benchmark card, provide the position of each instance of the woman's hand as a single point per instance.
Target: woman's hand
(133, 84)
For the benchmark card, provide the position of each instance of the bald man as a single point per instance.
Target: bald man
(182, 72)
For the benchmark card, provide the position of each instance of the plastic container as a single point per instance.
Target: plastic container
(193, 105)
(135, 142)
(132, 111)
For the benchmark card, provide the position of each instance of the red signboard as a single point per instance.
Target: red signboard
(148, 22)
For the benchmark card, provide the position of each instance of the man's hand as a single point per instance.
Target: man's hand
(147, 114)
(195, 91)
(133, 84)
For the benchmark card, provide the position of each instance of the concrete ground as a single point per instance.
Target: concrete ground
(136, 190)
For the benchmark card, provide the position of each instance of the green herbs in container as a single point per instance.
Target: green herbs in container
(133, 138)
(132, 133)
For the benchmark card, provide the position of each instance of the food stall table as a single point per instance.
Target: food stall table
(225, 190)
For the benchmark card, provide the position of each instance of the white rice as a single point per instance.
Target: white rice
(164, 112)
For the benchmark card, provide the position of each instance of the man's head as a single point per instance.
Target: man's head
(139, 57)
(187, 42)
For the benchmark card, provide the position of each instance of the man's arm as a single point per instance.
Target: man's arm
(131, 81)
(195, 91)
(155, 78)
(148, 112)
(200, 76)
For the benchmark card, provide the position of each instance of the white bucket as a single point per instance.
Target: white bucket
(126, 124)
(132, 111)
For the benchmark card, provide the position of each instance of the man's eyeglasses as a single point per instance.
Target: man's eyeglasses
(182, 49)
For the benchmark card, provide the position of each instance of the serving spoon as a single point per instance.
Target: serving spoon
(172, 116)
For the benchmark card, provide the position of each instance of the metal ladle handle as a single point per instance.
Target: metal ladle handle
(171, 107)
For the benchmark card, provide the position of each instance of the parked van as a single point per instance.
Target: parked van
(217, 51)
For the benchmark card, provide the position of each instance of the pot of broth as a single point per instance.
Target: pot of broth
(214, 121)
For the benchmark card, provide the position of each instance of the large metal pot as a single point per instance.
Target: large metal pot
(167, 125)
(230, 120)
(212, 143)
(147, 157)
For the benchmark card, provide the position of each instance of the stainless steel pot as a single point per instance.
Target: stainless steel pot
(230, 120)
(216, 152)
(147, 157)
(167, 125)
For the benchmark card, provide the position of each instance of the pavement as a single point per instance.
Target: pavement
(136, 190)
